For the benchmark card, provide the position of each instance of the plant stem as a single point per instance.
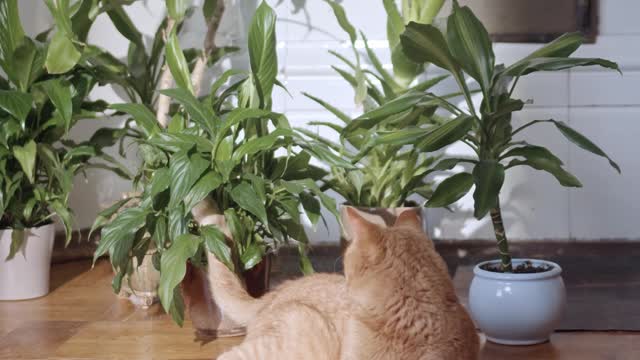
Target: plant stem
(501, 237)
(166, 81)
(209, 47)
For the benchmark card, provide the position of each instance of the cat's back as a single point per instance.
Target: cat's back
(325, 291)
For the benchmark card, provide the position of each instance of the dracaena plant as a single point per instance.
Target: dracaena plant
(466, 51)
(386, 174)
(219, 152)
(45, 93)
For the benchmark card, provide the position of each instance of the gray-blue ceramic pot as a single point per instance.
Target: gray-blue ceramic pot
(517, 308)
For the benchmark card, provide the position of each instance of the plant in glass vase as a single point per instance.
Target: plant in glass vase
(227, 176)
(466, 49)
(387, 174)
(44, 95)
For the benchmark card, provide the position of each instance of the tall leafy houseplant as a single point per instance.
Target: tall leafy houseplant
(43, 96)
(466, 49)
(387, 174)
(218, 156)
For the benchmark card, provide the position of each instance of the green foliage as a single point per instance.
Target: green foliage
(466, 49)
(219, 148)
(385, 172)
(44, 96)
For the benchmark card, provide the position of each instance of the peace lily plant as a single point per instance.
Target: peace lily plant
(45, 93)
(388, 174)
(226, 153)
(465, 50)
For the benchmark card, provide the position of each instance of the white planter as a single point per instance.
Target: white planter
(26, 276)
(517, 309)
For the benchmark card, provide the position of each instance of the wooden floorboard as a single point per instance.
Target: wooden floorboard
(83, 319)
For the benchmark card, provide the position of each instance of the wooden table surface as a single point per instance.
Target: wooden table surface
(82, 319)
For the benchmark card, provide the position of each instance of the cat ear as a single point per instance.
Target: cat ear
(360, 227)
(410, 219)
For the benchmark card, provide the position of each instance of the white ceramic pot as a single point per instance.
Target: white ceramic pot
(517, 309)
(26, 276)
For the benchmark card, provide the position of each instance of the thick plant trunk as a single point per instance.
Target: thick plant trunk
(501, 237)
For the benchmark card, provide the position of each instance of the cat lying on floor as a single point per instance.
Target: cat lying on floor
(395, 301)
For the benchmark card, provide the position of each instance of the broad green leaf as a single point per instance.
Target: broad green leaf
(311, 207)
(395, 23)
(206, 184)
(262, 49)
(425, 43)
(583, 142)
(215, 242)
(488, 177)
(395, 106)
(62, 55)
(177, 307)
(63, 213)
(178, 8)
(160, 181)
(181, 142)
(143, 117)
(17, 240)
(252, 256)
(470, 44)
(404, 70)
(262, 143)
(177, 62)
(237, 229)
(185, 169)
(199, 113)
(407, 136)
(123, 23)
(26, 156)
(174, 266)
(549, 165)
(429, 11)
(27, 64)
(121, 229)
(62, 15)
(343, 21)
(562, 47)
(451, 190)
(247, 198)
(532, 151)
(83, 18)
(60, 96)
(105, 215)
(446, 134)
(16, 103)
(178, 222)
(556, 64)
(11, 32)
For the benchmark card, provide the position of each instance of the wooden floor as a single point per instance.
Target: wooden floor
(83, 319)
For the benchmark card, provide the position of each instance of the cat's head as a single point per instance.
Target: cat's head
(378, 258)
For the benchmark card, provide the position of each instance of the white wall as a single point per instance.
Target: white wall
(603, 105)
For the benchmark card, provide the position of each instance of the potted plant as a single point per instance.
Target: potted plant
(385, 175)
(217, 159)
(514, 301)
(44, 95)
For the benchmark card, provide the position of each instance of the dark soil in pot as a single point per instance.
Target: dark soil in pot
(526, 267)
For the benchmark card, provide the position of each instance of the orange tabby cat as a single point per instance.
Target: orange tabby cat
(396, 301)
